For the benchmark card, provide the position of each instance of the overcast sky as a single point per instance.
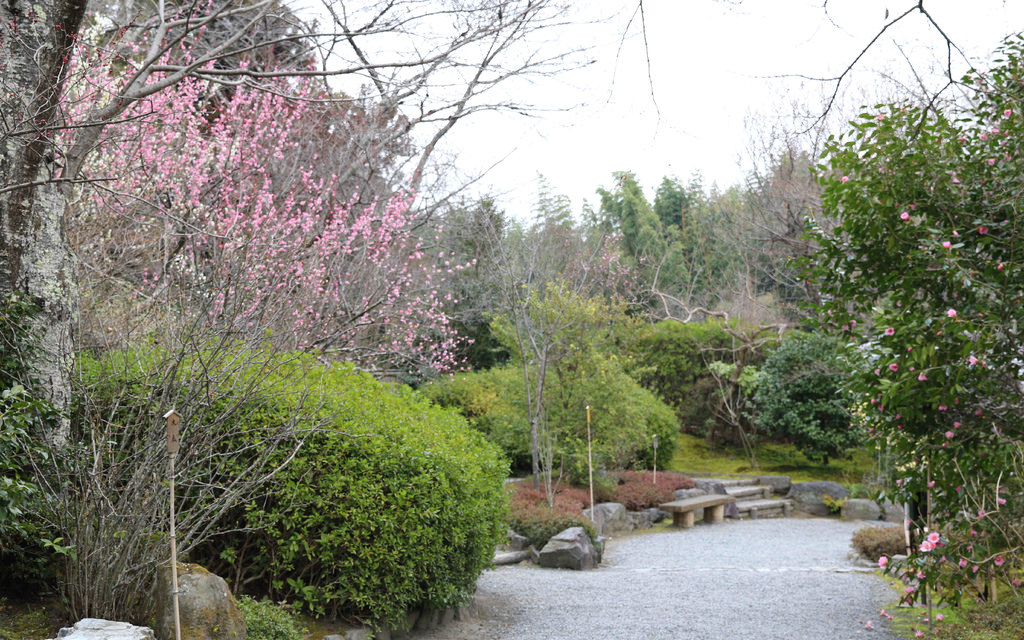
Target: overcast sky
(715, 67)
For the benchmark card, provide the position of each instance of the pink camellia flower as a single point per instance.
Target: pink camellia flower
(946, 244)
(938, 617)
(893, 366)
(999, 561)
(868, 625)
(1008, 113)
(956, 425)
(921, 377)
(1016, 582)
(889, 331)
(983, 229)
(882, 562)
(949, 434)
(951, 313)
(878, 372)
(904, 216)
(983, 136)
(942, 407)
(991, 161)
(974, 568)
(844, 179)
(934, 538)
(1000, 501)
(926, 546)
(963, 563)
(909, 590)
(931, 484)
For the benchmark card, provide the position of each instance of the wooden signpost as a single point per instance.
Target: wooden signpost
(655, 459)
(173, 432)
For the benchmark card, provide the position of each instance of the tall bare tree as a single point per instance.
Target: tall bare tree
(430, 62)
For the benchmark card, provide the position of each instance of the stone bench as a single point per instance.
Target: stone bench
(682, 510)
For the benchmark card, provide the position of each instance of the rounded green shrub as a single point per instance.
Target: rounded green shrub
(265, 620)
(396, 504)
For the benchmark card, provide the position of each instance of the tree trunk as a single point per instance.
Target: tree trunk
(36, 41)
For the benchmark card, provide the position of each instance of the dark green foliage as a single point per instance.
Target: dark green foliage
(265, 620)
(875, 542)
(25, 562)
(672, 361)
(396, 504)
(802, 397)
(493, 403)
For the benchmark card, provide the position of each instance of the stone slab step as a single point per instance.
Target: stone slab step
(754, 509)
(735, 482)
(746, 493)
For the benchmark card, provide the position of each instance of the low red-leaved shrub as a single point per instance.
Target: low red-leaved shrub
(636, 489)
(875, 542)
(530, 515)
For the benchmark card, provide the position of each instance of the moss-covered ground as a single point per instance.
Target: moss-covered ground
(694, 455)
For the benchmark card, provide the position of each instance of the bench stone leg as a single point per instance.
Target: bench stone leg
(683, 519)
(715, 513)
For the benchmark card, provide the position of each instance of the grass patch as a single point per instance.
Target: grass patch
(692, 454)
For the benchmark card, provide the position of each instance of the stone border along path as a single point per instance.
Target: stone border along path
(778, 579)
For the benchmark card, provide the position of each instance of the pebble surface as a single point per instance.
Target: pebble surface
(777, 579)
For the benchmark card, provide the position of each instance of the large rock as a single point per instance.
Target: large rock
(861, 509)
(808, 497)
(892, 512)
(207, 609)
(640, 519)
(609, 518)
(716, 488)
(516, 542)
(657, 515)
(683, 494)
(570, 549)
(779, 484)
(96, 629)
(510, 557)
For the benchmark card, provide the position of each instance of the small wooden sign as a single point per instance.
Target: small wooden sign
(173, 427)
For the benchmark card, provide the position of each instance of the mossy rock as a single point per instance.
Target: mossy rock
(206, 607)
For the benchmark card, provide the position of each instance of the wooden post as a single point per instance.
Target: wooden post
(590, 470)
(173, 430)
(655, 459)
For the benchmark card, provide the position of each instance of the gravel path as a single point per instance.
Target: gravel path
(779, 579)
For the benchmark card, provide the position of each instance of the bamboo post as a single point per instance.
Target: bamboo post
(590, 470)
(173, 425)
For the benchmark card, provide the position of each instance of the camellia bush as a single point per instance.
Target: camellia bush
(925, 270)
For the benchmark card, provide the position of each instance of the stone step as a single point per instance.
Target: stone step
(734, 482)
(754, 509)
(744, 493)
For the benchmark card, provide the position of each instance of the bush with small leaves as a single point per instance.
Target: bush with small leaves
(265, 620)
(875, 542)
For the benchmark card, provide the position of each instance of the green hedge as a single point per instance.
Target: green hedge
(625, 416)
(396, 505)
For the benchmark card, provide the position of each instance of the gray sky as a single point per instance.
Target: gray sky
(715, 68)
